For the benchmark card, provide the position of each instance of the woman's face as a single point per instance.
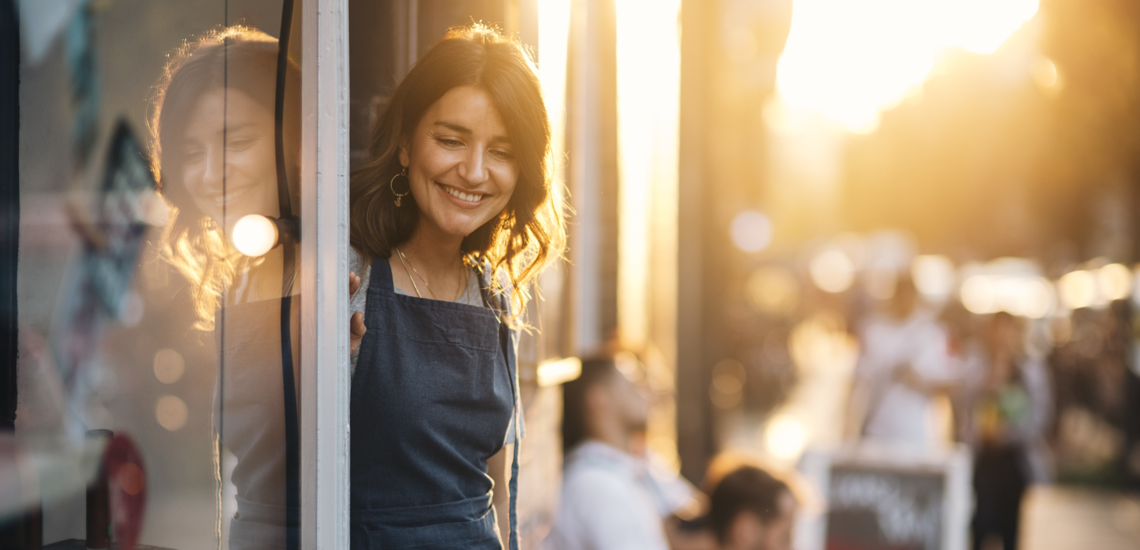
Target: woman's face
(228, 128)
(460, 162)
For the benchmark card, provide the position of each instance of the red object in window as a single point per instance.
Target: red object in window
(126, 480)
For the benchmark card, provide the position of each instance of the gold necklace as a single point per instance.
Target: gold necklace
(410, 278)
(404, 262)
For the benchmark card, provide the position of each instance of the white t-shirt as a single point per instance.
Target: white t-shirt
(895, 412)
(607, 503)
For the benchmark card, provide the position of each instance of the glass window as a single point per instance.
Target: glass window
(158, 281)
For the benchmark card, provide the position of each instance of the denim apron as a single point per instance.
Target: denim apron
(433, 395)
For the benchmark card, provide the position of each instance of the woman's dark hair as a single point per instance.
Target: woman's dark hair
(235, 58)
(595, 371)
(745, 489)
(530, 230)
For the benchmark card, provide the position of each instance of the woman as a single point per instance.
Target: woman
(451, 219)
(213, 131)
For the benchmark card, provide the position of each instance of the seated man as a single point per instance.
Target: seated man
(611, 496)
(749, 509)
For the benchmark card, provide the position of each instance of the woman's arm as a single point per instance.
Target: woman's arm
(499, 468)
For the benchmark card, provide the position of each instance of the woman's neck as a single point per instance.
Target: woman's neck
(430, 264)
(434, 251)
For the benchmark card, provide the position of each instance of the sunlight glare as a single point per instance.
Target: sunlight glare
(852, 59)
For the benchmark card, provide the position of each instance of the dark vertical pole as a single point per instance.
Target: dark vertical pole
(9, 206)
(694, 443)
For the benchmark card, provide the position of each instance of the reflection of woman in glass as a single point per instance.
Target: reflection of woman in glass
(214, 138)
(453, 212)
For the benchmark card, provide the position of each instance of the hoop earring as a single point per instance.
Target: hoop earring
(392, 186)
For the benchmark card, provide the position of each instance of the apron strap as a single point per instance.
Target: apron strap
(503, 307)
(380, 278)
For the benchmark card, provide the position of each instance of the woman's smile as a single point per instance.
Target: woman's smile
(463, 199)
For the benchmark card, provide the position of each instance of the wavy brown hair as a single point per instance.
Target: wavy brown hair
(519, 241)
(237, 58)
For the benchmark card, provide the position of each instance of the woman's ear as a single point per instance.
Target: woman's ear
(405, 158)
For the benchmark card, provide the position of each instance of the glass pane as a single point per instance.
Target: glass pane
(150, 131)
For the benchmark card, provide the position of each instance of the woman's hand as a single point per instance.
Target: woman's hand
(356, 326)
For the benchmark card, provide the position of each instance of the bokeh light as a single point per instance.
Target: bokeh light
(933, 277)
(727, 387)
(255, 235)
(773, 290)
(1078, 289)
(832, 271)
(851, 59)
(978, 295)
(1045, 73)
(168, 366)
(751, 231)
(171, 412)
(1114, 282)
(785, 437)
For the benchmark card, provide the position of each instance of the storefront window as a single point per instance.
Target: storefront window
(159, 275)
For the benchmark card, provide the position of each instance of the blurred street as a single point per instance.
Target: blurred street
(1063, 518)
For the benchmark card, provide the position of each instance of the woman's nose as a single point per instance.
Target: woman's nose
(213, 169)
(473, 169)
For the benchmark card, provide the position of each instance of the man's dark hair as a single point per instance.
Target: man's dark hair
(595, 370)
(745, 489)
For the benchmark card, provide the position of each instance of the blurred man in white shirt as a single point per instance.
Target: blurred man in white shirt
(612, 499)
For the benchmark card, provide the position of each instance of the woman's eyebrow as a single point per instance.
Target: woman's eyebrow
(467, 131)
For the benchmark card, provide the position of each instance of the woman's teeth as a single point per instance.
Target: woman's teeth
(461, 195)
(233, 195)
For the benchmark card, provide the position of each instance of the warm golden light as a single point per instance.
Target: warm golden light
(255, 235)
(751, 231)
(977, 295)
(1114, 281)
(851, 59)
(1078, 289)
(1045, 73)
(648, 118)
(785, 437)
(933, 276)
(773, 290)
(832, 271)
(1022, 295)
(552, 373)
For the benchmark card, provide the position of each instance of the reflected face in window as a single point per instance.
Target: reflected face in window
(460, 162)
(228, 129)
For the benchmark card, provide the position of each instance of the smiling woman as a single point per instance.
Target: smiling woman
(451, 219)
(213, 136)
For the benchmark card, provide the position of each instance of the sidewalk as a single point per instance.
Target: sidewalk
(1069, 518)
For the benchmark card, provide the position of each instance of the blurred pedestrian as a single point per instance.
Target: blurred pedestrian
(750, 509)
(1007, 401)
(612, 497)
(904, 363)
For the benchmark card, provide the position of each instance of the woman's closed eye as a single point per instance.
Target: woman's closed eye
(191, 156)
(240, 143)
(450, 143)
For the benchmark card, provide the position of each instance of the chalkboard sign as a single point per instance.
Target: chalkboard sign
(878, 498)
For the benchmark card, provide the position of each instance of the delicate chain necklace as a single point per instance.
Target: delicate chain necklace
(404, 262)
(413, 279)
